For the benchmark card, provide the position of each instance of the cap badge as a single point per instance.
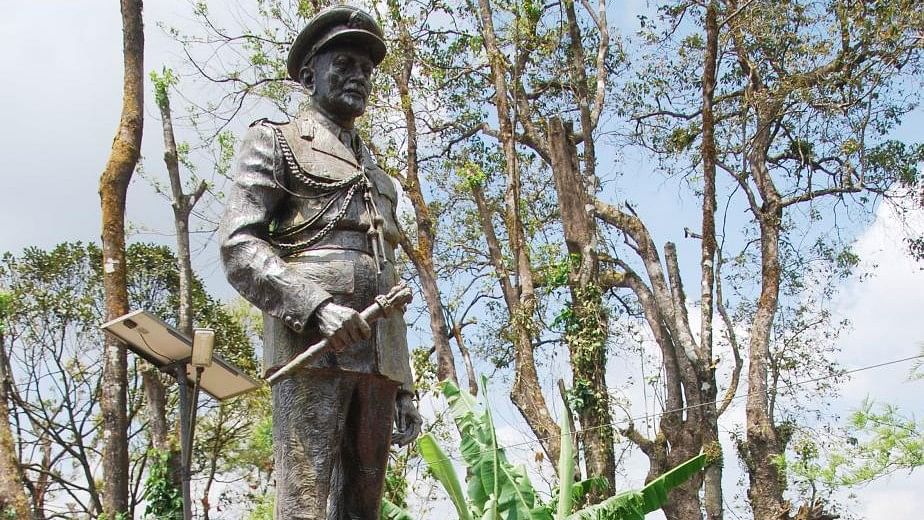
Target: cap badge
(355, 21)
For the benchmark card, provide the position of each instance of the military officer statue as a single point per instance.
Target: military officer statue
(309, 236)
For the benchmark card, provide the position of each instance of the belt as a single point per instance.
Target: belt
(351, 240)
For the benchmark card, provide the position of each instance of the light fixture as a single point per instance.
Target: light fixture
(203, 343)
(167, 348)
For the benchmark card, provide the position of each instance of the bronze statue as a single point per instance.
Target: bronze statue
(309, 237)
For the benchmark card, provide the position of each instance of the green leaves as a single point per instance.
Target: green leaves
(6, 306)
(496, 488)
(655, 492)
(390, 511)
(473, 175)
(499, 490)
(634, 505)
(878, 441)
(164, 501)
(441, 466)
(162, 83)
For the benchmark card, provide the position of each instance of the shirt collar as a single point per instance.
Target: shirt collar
(328, 123)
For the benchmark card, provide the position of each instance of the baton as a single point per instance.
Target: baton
(398, 296)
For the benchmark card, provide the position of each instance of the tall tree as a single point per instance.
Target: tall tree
(113, 189)
(526, 94)
(797, 114)
(13, 499)
(419, 242)
(182, 204)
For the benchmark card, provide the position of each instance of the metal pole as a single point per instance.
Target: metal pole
(193, 412)
(185, 436)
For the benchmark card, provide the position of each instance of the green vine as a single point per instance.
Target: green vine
(164, 500)
(585, 325)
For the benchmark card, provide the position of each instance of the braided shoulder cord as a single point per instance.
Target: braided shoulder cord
(291, 248)
(296, 170)
(328, 188)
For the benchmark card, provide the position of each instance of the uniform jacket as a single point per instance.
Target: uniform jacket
(268, 207)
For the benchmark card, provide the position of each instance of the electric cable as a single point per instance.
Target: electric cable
(655, 415)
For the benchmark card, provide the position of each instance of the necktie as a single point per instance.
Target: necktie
(351, 141)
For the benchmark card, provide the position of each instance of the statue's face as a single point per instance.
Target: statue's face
(340, 79)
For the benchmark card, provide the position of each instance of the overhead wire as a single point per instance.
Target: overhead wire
(656, 415)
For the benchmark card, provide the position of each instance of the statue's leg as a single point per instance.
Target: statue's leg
(365, 454)
(308, 422)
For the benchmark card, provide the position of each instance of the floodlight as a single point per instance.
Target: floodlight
(203, 343)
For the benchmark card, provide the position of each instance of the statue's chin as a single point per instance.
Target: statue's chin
(353, 105)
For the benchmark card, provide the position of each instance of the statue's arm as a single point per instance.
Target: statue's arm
(251, 263)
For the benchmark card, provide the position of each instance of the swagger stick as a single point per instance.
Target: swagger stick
(397, 297)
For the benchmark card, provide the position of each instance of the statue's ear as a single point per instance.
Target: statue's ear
(306, 76)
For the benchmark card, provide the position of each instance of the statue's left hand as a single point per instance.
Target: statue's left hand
(407, 420)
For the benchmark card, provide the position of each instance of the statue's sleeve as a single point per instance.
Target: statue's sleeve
(251, 263)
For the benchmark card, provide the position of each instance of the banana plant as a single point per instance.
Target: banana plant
(498, 490)
(390, 511)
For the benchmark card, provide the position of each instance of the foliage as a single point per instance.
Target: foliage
(162, 84)
(634, 505)
(877, 442)
(442, 468)
(498, 490)
(164, 501)
(391, 511)
(55, 305)
(263, 508)
(6, 302)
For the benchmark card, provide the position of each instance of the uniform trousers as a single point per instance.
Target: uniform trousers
(331, 428)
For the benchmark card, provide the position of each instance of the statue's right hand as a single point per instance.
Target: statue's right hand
(342, 326)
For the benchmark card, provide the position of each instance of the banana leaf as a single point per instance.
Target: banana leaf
(565, 467)
(634, 505)
(497, 489)
(579, 492)
(655, 492)
(442, 469)
(390, 511)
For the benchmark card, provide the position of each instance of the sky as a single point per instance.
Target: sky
(61, 99)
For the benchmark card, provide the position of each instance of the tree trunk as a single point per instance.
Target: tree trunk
(520, 298)
(712, 493)
(12, 491)
(588, 334)
(113, 188)
(763, 443)
(526, 392)
(182, 204)
(445, 361)
(466, 359)
(421, 255)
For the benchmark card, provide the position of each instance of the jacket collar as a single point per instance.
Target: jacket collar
(324, 135)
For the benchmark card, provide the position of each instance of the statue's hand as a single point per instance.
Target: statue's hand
(342, 326)
(407, 420)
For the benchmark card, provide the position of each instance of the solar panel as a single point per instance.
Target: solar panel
(162, 345)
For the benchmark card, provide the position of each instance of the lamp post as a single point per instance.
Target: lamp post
(201, 358)
(185, 359)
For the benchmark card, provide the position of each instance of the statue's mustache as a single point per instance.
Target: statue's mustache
(355, 87)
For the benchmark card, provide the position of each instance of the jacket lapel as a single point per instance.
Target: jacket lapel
(323, 140)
